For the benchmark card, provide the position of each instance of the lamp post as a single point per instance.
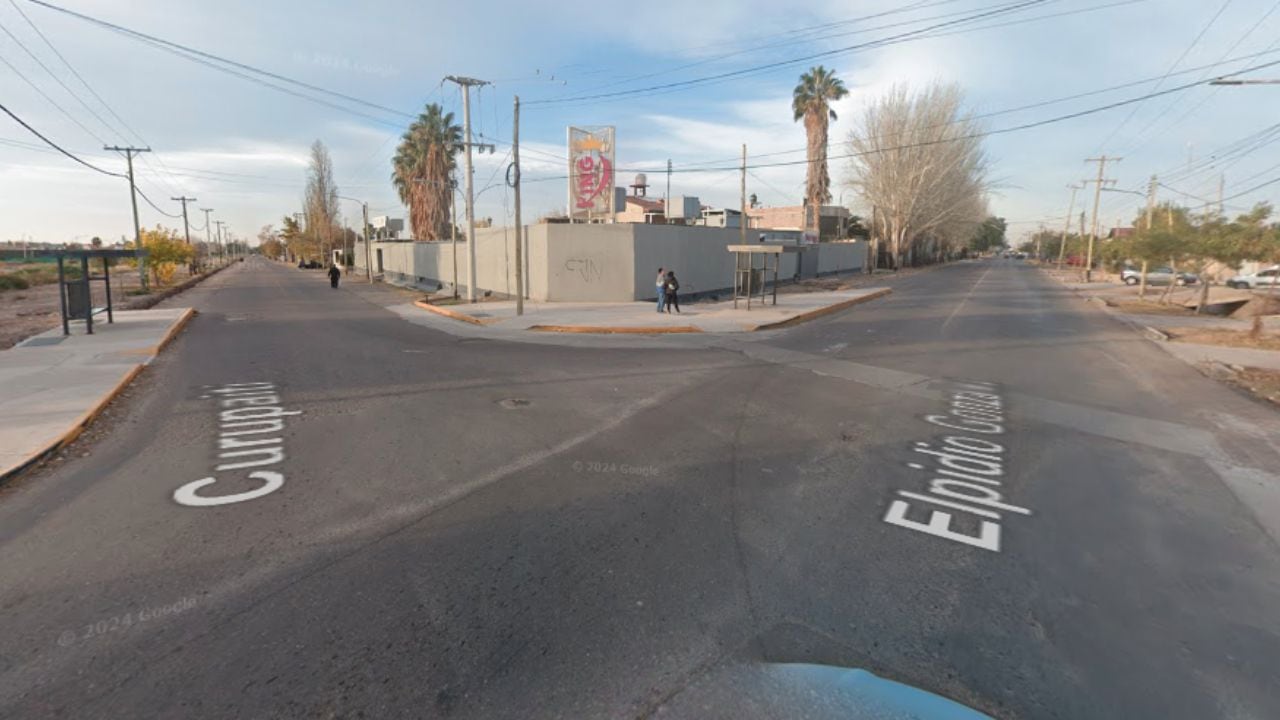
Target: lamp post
(364, 211)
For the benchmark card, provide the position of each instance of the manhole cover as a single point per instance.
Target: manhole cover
(513, 403)
(41, 341)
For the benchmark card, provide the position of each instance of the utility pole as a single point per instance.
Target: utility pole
(466, 84)
(222, 249)
(368, 254)
(133, 196)
(207, 232)
(1039, 239)
(1062, 247)
(185, 226)
(515, 161)
(1151, 200)
(453, 233)
(666, 199)
(1222, 182)
(742, 224)
(1097, 198)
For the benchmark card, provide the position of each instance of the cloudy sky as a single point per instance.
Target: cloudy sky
(240, 146)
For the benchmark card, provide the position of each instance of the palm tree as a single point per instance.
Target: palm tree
(422, 169)
(811, 100)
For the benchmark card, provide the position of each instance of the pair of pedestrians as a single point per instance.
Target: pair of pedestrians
(668, 288)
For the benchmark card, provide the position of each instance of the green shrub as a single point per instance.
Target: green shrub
(13, 282)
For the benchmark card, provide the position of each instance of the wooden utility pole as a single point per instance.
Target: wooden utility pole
(1066, 229)
(186, 227)
(129, 152)
(742, 224)
(515, 183)
(208, 233)
(666, 199)
(1097, 198)
(1222, 182)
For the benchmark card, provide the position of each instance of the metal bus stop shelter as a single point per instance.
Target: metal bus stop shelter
(747, 278)
(75, 296)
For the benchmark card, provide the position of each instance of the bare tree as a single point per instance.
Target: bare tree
(918, 162)
(320, 203)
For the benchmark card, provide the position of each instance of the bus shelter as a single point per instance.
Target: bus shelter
(748, 279)
(75, 294)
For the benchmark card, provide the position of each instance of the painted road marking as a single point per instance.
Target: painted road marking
(966, 472)
(248, 410)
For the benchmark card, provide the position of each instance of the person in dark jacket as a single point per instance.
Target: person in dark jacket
(334, 275)
(672, 288)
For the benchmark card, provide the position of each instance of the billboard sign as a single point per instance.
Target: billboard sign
(591, 157)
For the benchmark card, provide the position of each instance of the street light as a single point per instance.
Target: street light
(368, 266)
(1227, 81)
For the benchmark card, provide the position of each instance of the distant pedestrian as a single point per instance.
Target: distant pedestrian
(334, 275)
(660, 285)
(671, 290)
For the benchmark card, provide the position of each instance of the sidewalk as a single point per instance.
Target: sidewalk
(1242, 357)
(642, 317)
(52, 387)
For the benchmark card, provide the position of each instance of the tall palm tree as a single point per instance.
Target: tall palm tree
(811, 101)
(422, 168)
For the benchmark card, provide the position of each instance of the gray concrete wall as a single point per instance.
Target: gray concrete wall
(590, 263)
(696, 254)
(841, 256)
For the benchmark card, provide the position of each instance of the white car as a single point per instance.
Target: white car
(1259, 279)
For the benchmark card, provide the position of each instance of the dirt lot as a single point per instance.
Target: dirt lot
(1230, 338)
(1264, 384)
(24, 313)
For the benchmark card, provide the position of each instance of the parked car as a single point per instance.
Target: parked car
(1261, 278)
(1158, 276)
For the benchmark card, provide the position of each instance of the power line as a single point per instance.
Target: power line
(154, 206)
(85, 83)
(210, 56)
(784, 63)
(808, 36)
(50, 100)
(56, 146)
(1147, 137)
(1175, 64)
(969, 136)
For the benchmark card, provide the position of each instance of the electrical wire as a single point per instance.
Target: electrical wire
(56, 146)
(968, 136)
(1147, 137)
(210, 56)
(1175, 64)
(67, 63)
(785, 63)
(153, 205)
(51, 101)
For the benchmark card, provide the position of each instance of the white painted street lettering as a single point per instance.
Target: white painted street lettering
(965, 472)
(247, 410)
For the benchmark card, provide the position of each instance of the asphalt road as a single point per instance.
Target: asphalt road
(636, 527)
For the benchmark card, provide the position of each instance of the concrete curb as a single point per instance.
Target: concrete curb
(82, 423)
(1155, 334)
(445, 312)
(617, 330)
(812, 314)
(174, 329)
